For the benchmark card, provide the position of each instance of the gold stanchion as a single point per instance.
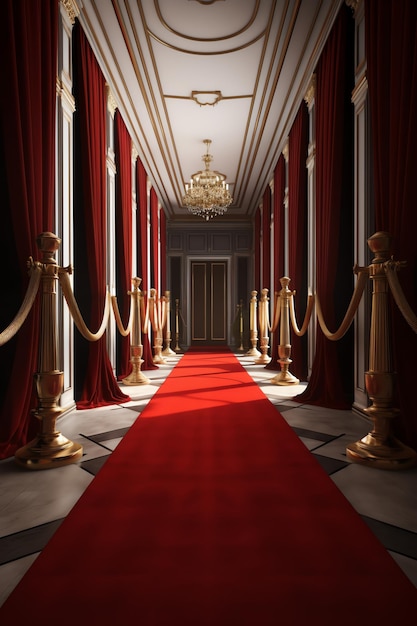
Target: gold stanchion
(263, 359)
(49, 448)
(284, 349)
(240, 307)
(136, 376)
(177, 327)
(168, 338)
(380, 448)
(253, 328)
(157, 315)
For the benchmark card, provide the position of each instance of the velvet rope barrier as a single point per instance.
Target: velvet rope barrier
(75, 311)
(391, 268)
(351, 311)
(310, 304)
(123, 331)
(35, 271)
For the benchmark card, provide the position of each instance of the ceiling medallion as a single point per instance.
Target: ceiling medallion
(206, 98)
(207, 193)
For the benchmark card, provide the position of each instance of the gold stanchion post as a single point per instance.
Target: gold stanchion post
(284, 349)
(263, 324)
(380, 448)
(168, 338)
(49, 448)
(156, 320)
(253, 325)
(177, 326)
(136, 376)
(240, 305)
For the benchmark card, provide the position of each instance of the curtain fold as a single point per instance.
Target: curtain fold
(154, 242)
(278, 248)
(297, 233)
(29, 46)
(333, 362)
(98, 386)
(142, 251)
(163, 258)
(266, 239)
(257, 250)
(123, 159)
(391, 50)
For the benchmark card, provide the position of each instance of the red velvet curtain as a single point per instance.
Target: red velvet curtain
(163, 257)
(391, 50)
(257, 250)
(279, 247)
(154, 241)
(123, 158)
(29, 46)
(297, 233)
(334, 86)
(266, 239)
(142, 251)
(99, 386)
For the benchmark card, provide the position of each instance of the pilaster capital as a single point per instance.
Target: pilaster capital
(311, 92)
(71, 9)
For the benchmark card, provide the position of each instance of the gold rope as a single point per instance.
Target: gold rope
(75, 311)
(277, 313)
(350, 313)
(399, 297)
(35, 277)
(123, 331)
(310, 303)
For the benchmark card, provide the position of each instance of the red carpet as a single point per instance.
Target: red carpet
(211, 512)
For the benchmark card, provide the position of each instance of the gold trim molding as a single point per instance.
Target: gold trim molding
(217, 96)
(311, 91)
(71, 9)
(353, 4)
(111, 102)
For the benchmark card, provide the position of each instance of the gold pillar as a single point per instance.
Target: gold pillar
(177, 326)
(50, 448)
(264, 358)
(380, 448)
(253, 327)
(136, 376)
(168, 337)
(284, 349)
(157, 325)
(240, 313)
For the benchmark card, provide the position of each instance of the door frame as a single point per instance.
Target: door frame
(214, 258)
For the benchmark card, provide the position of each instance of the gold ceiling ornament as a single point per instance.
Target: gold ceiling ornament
(207, 194)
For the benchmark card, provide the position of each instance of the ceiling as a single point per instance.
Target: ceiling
(233, 71)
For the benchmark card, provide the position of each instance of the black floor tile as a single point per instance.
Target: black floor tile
(26, 542)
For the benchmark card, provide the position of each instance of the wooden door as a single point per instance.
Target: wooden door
(208, 302)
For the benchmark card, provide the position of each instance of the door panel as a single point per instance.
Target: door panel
(208, 302)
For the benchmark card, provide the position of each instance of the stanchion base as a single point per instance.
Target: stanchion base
(253, 352)
(263, 360)
(168, 352)
(136, 378)
(284, 378)
(38, 455)
(395, 456)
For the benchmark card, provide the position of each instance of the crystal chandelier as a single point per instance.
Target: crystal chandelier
(207, 193)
